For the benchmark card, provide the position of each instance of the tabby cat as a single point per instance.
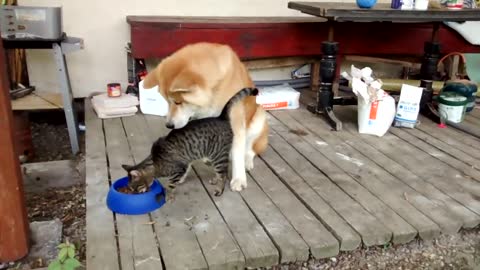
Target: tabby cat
(170, 159)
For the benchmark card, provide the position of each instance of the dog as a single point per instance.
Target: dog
(197, 81)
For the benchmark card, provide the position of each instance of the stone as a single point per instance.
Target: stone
(45, 237)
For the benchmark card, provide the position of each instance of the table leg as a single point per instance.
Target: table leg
(428, 71)
(66, 89)
(328, 66)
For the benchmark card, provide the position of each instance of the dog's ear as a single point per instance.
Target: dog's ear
(152, 78)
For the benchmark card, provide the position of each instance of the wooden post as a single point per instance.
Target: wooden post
(13, 214)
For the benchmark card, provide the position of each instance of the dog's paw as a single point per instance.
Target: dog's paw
(238, 184)
(249, 161)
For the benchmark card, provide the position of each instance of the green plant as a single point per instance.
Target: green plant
(66, 258)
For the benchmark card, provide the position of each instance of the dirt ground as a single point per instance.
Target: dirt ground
(460, 251)
(51, 142)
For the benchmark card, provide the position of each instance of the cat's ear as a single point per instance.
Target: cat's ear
(127, 167)
(136, 175)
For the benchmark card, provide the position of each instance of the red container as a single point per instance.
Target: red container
(114, 90)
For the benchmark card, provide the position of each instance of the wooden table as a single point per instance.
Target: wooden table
(350, 12)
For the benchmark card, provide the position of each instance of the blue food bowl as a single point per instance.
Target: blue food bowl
(366, 3)
(135, 204)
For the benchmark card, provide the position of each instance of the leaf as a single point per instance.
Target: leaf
(62, 255)
(55, 265)
(71, 252)
(62, 245)
(71, 264)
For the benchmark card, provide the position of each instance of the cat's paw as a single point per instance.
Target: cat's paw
(238, 184)
(170, 198)
(214, 181)
(218, 191)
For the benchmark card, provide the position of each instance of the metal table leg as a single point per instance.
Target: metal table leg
(66, 89)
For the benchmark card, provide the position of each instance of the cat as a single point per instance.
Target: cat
(170, 159)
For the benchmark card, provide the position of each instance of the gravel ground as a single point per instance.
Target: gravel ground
(459, 252)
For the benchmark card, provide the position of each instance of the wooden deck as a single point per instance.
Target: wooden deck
(314, 192)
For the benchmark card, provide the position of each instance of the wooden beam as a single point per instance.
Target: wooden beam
(13, 217)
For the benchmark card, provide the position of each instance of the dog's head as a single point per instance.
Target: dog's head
(187, 93)
(186, 80)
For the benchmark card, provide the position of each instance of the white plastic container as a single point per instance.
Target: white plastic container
(151, 101)
(421, 4)
(452, 106)
(279, 97)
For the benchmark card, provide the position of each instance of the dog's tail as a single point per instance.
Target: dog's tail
(249, 91)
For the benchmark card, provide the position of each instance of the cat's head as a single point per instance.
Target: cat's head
(139, 179)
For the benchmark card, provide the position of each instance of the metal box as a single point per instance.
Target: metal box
(27, 22)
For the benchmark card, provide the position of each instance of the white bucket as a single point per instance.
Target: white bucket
(452, 106)
(151, 101)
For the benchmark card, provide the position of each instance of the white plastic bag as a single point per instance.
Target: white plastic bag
(376, 108)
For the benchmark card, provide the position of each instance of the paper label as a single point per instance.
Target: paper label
(373, 110)
(409, 103)
(275, 105)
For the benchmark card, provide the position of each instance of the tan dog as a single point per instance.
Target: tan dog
(197, 81)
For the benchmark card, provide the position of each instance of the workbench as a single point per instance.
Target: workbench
(60, 47)
(340, 13)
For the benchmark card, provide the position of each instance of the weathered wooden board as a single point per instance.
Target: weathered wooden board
(469, 219)
(360, 164)
(195, 209)
(137, 240)
(370, 229)
(475, 113)
(346, 235)
(450, 135)
(321, 242)
(101, 240)
(420, 163)
(460, 153)
(411, 221)
(178, 244)
(257, 247)
(291, 245)
(462, 170)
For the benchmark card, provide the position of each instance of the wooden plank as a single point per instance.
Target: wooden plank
(450, 135)
(348, 238)
(178, 244)
(458, 153)
(201, 216)
(321, 242)
(475, 112)
(291, 245)
(420, 163)
(472, 120)
(366, 168)
(38, 101)
(468, 218)
(14, 231)
(466, 170)
(263, 36)
(370, 229)
(137, 244)
(408, 220)
(257, 247)
(101, 240)
(176, 238)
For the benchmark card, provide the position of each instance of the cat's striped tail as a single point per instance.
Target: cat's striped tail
(248, 91)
